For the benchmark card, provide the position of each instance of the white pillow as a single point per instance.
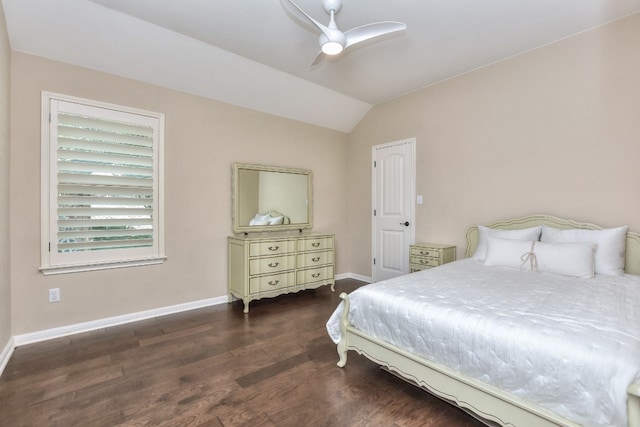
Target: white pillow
(507, 252)
(610, 243)
(276, 220)
(484, 233)
(261, 217)
(567, 259)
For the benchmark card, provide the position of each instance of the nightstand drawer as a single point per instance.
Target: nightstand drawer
(271, 248)
(271, 265)
(271, 282)
(424, 252)
(425, 262)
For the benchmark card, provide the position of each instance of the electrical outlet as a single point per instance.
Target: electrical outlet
(54, 295)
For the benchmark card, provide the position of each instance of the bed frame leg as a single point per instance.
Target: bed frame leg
(344, 322)
(633, 405)
(342, 354)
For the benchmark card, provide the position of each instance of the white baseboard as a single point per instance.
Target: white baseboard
(62, 331)
(77, 328)
(353, 276)
(6, 354)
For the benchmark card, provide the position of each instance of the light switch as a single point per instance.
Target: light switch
(419, 199)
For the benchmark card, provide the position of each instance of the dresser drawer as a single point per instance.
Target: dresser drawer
(315, 275)
(425, 262)
(271, 282)
(271, 248)
(313, 259)
(315, 244)
(270, 265)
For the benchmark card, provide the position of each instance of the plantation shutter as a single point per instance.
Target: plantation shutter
(103, 184)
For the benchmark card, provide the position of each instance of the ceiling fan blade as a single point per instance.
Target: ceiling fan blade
(319, 58)
(370, 31)
(325, 30)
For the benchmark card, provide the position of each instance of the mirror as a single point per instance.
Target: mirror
(270, 198)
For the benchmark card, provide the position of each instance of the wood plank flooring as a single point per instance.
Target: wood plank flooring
(215, 366)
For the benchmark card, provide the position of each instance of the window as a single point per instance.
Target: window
(101, 185)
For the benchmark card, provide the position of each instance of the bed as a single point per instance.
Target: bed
(542, 347)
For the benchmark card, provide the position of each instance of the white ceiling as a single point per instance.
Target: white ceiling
(255, 54)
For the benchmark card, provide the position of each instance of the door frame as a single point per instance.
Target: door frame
(412, 196)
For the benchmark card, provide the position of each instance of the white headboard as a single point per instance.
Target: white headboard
(632, 264)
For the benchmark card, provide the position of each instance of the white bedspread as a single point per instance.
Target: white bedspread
(569, 345)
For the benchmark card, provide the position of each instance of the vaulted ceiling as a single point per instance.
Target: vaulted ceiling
(257, 53)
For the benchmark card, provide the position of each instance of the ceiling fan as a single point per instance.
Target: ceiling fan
(333, 41)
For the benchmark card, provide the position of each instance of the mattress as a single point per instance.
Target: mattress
(569, 345)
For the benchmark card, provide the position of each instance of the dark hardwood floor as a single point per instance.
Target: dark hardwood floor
(215, 366)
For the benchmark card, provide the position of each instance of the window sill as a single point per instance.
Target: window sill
(78, 268)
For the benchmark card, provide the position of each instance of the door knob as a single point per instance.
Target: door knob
(406, 223)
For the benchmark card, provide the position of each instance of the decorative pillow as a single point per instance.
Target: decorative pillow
(567, 259)
(507, 252)
(610, 245)
(484, 233)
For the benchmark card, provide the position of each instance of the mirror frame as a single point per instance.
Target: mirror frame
(235, 200)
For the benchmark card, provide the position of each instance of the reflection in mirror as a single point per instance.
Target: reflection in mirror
(270, 198)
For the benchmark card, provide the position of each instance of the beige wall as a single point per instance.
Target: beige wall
(552, 131)
(202, 139)
(5, 288)
(555, 131)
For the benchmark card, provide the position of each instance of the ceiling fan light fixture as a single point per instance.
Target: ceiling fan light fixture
(332, 41)
(332, 48)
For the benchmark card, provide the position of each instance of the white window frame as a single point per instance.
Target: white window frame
(57, 262)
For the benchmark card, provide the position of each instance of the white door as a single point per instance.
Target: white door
(393, 208)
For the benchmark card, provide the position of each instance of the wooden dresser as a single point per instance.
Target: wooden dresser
(272, 264)
(429, 255)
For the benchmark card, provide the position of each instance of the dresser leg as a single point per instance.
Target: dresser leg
(246, 306)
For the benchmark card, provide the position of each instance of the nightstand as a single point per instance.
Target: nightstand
(429, 255)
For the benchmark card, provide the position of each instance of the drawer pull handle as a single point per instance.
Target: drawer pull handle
(315, 244)
(315, 259)
(424, 253)
(273, 264)
(273, 282)
(315, 275)
(273, 248)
